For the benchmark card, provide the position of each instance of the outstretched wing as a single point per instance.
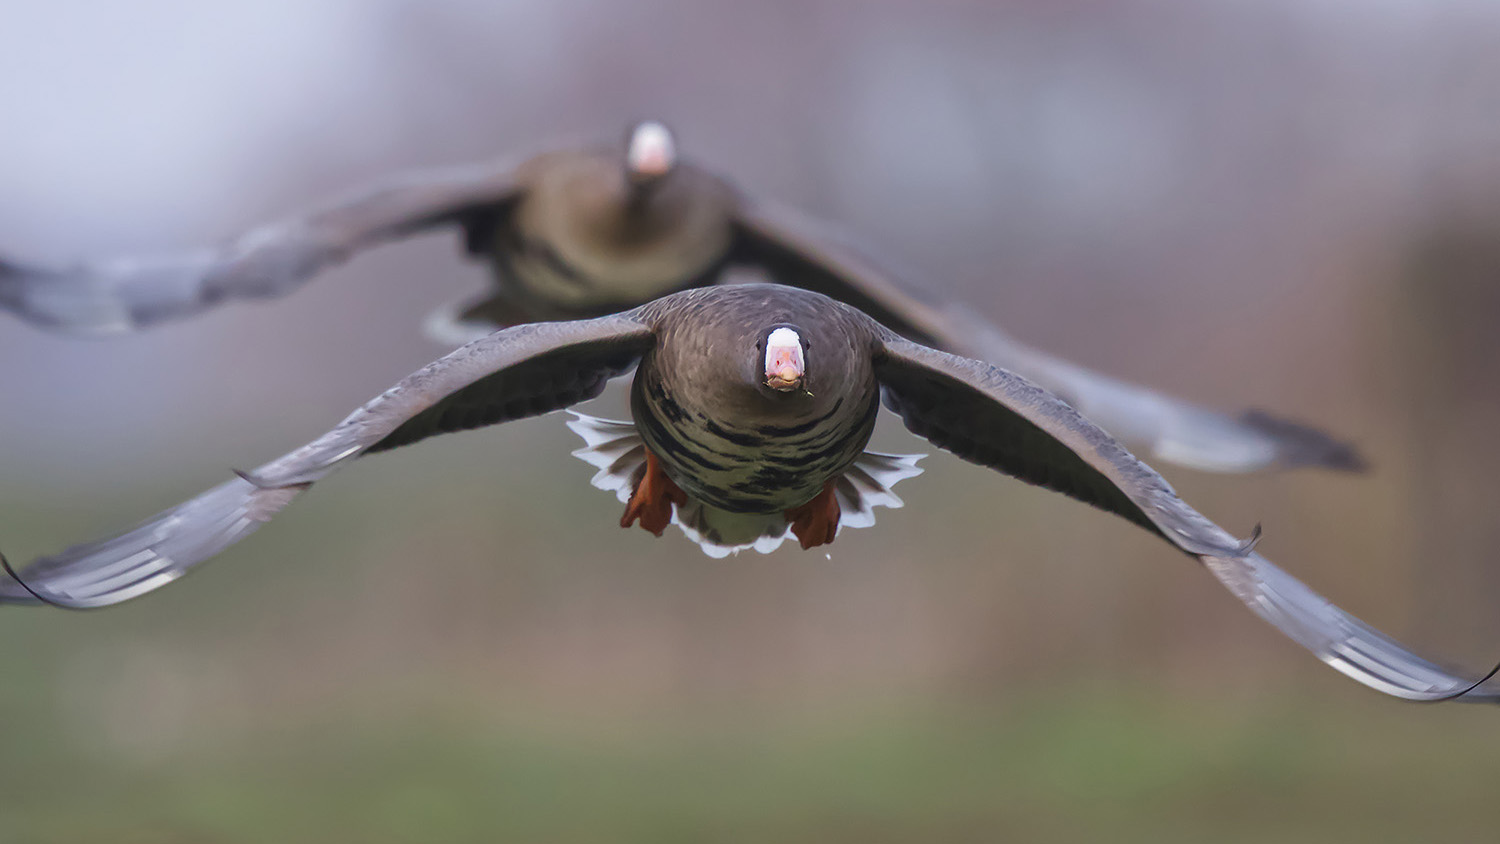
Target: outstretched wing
(126, 294)
(992, 417)
(797, 251)
(523, 371)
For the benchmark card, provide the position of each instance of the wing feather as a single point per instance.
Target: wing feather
(802, 252)
(125, 294)
(521, 371)
(998, 419)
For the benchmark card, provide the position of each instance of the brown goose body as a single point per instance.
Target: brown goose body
(585, 239)
(724, 436)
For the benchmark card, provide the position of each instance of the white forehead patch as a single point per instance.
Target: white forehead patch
(652, 152)
(784, 346)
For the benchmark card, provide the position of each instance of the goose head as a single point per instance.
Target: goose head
(785, 359)
(650, 155)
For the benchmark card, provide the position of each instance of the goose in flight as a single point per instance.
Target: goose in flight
(751, 408)
(579, 233)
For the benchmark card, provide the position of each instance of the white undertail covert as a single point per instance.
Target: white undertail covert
(619, 453)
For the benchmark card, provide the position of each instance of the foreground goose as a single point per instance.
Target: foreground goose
(583, 233)
(751, 409)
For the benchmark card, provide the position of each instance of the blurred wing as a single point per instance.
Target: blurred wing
(523, 371)
(797, 252)
(994, 418)
(1172, 429)
(131, 293)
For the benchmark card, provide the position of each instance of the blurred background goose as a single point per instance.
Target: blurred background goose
(751, 402)
(584, 232)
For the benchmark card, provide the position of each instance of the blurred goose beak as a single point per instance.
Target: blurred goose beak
(785, 367)
(651, 152)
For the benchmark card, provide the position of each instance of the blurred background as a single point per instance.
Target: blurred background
(1286, 204)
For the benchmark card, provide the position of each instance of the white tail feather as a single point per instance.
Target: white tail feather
(867, 485)
(617, 451)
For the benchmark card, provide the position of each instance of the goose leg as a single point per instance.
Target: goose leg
(816, 522)
(652, 500)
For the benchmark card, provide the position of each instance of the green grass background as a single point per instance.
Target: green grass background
(410, 654)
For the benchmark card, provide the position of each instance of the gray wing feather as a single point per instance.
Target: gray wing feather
(125, 294)
(995, 418)
(169, 544)
(152, 554)
(802, 252)
(1339, 639)
(979, 411)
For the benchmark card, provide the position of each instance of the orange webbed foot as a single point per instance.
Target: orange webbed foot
(816, 522)
(652, 500)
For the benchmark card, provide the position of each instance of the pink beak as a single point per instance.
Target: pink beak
(651, 153)
(784, 365)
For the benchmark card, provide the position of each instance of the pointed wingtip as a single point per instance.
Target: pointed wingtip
(1340, 640)
(1468, 695)
(1302, 445)
(31, 594)
(11, 268)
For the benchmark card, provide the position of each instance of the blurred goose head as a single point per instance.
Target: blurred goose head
(650, 153)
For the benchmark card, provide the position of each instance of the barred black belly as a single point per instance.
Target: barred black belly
(751, 467)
